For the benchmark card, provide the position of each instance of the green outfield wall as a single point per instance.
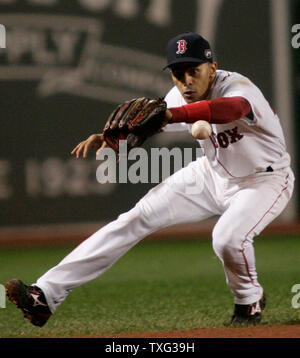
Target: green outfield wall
(67, 64)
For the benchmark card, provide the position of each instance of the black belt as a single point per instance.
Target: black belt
(269, 169)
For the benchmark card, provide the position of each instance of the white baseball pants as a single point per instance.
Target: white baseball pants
(245, 205)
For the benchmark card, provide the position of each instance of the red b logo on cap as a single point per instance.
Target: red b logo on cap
(181, 47)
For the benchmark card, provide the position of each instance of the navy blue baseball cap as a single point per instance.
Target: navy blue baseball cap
(188, 47)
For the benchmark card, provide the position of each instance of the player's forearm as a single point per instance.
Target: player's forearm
(218, 111)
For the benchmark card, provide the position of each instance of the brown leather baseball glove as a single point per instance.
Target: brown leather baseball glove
(135, 121)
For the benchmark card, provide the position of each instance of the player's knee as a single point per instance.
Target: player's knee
(225, 242)
(152, 215)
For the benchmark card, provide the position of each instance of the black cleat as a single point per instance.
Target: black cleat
(30, 299)
(250, 314)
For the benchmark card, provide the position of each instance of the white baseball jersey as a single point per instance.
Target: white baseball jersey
(244, 146)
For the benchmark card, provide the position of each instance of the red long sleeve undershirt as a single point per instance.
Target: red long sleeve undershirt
(218, 111)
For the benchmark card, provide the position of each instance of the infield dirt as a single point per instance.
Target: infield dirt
(283, 331)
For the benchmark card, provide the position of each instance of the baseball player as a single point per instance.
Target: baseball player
(245, 177)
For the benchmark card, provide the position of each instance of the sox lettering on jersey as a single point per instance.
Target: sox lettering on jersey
(229, 136)
(234, 135)
(181, 47)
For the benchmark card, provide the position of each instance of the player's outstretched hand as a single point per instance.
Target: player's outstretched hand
(94, 141)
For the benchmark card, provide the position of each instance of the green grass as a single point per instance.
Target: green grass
(167, 285)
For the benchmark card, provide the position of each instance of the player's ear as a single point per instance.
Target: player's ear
(213, 69)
